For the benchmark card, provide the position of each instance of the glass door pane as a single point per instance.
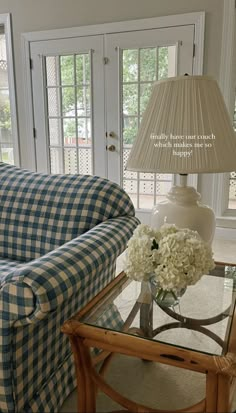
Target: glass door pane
(141, 67)
(232, 191)
(68, 96)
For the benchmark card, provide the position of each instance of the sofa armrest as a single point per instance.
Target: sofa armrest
(17, 303)
(54, 277)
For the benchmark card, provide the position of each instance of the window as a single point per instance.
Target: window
(232, 177)
(222, 196)
(8, 123)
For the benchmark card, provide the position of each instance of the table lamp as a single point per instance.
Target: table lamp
(185, 129)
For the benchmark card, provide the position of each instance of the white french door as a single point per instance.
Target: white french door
(136, 60)
(68, 99)
(89, 95)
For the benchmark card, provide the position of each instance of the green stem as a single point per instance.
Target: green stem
(165, 294)
(161, 294)
(174, 295)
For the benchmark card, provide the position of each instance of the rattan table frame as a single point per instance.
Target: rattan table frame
(220, 371)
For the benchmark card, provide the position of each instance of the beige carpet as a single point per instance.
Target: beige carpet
(158, 386)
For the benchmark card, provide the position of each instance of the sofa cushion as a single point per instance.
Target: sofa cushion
(39, 212)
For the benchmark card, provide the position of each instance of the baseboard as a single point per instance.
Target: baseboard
(225, 233)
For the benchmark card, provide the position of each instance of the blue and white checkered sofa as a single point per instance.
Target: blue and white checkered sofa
(60, 236)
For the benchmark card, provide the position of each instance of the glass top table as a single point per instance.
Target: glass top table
(201, 321)
(197, 334)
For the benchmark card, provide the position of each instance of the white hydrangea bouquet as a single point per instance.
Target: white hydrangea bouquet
(175, 258)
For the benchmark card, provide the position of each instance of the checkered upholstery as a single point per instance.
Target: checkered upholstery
(41, 212)
(7, 266)
(41, 286)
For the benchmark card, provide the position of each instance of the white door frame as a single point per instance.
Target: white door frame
(197, 19)
(5, 20)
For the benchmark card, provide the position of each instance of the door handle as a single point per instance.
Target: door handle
(111, 148)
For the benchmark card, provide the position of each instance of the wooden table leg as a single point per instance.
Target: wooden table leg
(223, 393)
(211, 392)
(84, 371)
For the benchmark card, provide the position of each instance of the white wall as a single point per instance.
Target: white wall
(35, 15)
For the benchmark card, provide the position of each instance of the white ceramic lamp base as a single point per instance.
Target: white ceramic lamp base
(183, 209)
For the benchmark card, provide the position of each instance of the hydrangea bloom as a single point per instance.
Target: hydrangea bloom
(176, 257)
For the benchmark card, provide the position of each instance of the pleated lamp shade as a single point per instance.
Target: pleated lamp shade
(186, 128)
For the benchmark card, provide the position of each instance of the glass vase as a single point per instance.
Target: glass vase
(165, 298)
